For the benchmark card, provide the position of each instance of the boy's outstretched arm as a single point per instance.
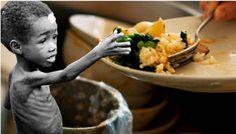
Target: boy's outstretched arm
(105, 48)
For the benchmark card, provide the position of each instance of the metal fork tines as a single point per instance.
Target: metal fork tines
(180, 59)
(185, 56)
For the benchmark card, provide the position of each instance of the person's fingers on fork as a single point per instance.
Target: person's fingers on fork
(211, 6)
(208, 7)
(225, 11)
(203, 5)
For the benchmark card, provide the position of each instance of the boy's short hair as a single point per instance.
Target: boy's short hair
(15, 19)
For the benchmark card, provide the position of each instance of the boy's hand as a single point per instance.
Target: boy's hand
(109, 46)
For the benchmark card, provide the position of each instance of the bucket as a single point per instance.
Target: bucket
(91, 107)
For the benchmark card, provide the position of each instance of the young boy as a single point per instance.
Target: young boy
(29, 30)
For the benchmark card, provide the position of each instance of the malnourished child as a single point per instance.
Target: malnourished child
(29, 30)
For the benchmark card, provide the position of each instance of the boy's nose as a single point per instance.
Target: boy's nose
(52, 47)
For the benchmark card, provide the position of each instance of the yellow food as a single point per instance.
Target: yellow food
(131, 31)
(158, 57)
(156, 29)
(203, 59)
(142, 26)
(155, 54)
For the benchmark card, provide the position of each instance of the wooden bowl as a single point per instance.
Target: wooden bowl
(143, 116)
(139, 101)
(162, 123)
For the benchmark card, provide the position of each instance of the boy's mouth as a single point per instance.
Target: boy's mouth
(51, 58)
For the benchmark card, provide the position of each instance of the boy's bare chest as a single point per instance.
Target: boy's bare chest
(41, 92)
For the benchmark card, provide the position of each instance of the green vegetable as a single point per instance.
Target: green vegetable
(140, 44)
(117, 59)
(142, 37)
(123, 39)
(150, 44)
(137, 41)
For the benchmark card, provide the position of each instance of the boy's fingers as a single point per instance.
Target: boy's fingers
(124, 53)
(114, 36)
(115, 45)
(121, 49)
(225, 11)
(122, 44)
(126, 49)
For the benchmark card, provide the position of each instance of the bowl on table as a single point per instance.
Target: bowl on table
(143, 116)
(162, 123)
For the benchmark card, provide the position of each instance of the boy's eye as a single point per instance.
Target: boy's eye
(55, 36)
(42, 41)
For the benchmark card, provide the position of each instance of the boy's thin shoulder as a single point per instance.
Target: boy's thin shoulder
(26, 76)
(34, 74)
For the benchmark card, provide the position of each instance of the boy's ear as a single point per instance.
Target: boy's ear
(16, 47)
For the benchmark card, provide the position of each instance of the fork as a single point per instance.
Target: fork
(183, 57)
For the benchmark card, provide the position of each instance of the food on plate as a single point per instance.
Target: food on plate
(202, 49)
(151, 46)
(203, 59)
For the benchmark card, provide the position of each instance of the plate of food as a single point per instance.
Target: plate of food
(212, 69)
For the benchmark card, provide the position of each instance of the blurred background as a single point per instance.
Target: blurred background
(182, 112)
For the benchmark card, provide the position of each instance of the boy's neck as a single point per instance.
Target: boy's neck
(26, 65)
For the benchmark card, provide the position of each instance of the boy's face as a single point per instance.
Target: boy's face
(41, 48)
